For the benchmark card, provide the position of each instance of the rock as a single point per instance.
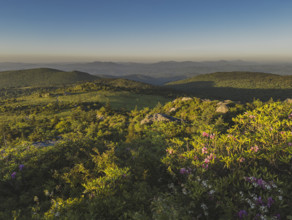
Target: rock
(182, 99)
(227, 101)
(288, 100)
(172, 109)
(186, 98)
(99, 117)
(222, 108)
(158, 117)
(44, 143)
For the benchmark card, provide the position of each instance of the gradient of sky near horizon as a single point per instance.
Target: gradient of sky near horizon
(145, 30)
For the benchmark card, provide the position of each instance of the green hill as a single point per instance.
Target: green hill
(246, 80)
(243, 86)
(41, 77)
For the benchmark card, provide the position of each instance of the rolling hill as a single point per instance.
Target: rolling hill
(41, 77)
(242, 86)
(246, 80)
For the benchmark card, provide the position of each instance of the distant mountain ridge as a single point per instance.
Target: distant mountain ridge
(166, 70)
(41, 77)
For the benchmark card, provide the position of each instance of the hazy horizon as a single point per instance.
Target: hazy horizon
(145, 31)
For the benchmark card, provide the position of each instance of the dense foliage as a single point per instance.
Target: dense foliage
(65, 155)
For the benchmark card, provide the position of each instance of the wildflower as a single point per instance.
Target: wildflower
(290, 144)
(205, 166)
(212, 136)
(270, 202)
(241, 159)
(184, 191)
(211, 156)
(212, 192)
(183, 171)
(280, 197)
(13, 175)
(170, 151)
(204, 207)
(21, 166)
(205, 134)
(204, 150)
(207, 160)
(255, 149)
(260, 182)
(260, 201)
(242, 213)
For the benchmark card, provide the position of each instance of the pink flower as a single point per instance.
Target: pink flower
(205, 166)
(212, 136)
(207, 160)
(204, 150)
(211, 156)
(170, 151)
(241, 159)
(205, 134)
(255, 148)
(289, 144)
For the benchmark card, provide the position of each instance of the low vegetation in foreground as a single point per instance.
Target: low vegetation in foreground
(118, 149)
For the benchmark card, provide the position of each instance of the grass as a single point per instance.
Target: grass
(117, 100)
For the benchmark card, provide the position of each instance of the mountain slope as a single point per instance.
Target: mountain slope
(240, 86)
(244, 80)
(41, 77)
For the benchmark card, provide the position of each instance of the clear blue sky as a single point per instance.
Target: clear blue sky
(145, 30)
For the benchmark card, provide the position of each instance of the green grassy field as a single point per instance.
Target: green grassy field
(117, 100)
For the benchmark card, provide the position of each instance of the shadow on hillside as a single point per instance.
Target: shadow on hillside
(206, 90)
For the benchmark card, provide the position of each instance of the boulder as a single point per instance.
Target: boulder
(172, 109)
(222, 108)
(149, 119)
(186, 98)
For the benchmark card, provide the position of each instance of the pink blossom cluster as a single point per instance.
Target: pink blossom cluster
(205, 134)
(207, 160)
(255, 149)
(204, 150)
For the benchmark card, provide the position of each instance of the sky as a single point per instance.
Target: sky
(145, 30)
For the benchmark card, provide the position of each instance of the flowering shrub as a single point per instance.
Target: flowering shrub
(206, 166)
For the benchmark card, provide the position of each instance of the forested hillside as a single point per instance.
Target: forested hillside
(241, 86)
(41, 77)
(244, 80)
(124, 150)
